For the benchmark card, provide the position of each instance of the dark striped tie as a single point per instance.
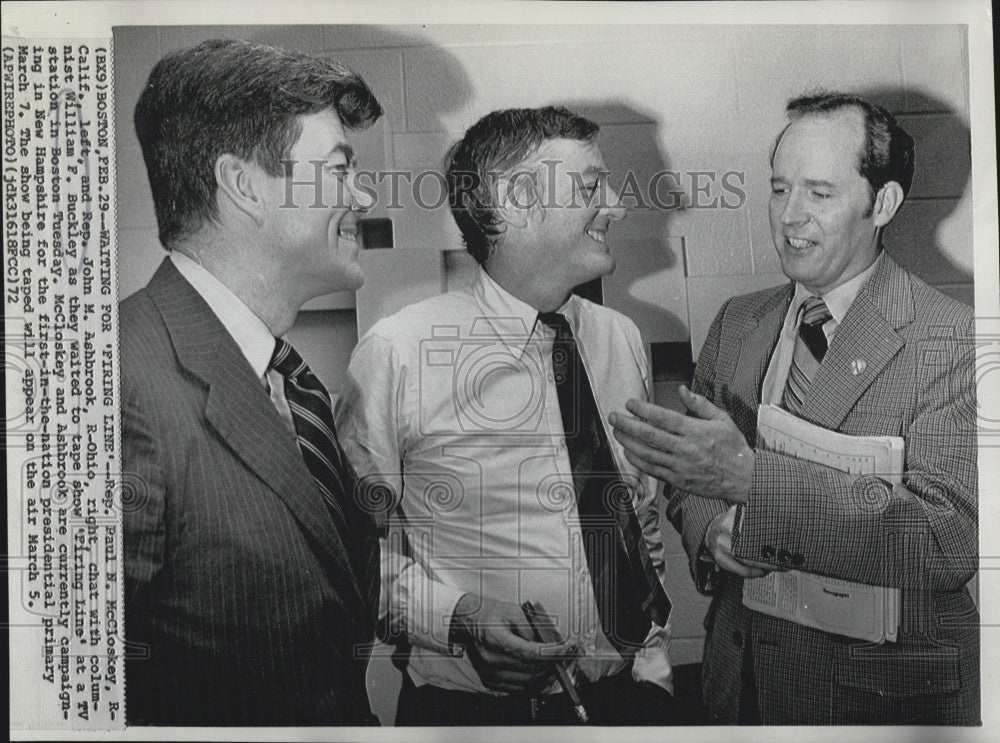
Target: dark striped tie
(309, 403)
(626, 587)
(810, 348)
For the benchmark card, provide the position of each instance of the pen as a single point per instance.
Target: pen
(541, 623)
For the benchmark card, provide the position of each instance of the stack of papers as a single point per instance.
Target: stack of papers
(829, 604)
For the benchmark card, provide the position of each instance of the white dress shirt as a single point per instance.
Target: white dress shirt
(452, 403)
(838, 301)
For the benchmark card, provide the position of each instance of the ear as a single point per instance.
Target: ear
(239, 183)
(519, 198)
(887, 203)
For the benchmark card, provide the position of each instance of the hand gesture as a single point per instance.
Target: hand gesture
(704, 453)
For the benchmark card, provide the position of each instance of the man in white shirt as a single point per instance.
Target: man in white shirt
(482, 414)
(251, 576)
(854, 344)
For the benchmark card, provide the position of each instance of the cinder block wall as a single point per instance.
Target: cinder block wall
(691, 100)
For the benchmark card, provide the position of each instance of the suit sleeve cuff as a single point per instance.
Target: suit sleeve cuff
(770, 502)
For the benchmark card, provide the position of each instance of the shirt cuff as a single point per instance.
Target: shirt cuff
(741, 510)
(652, 663)
(435, 636)
(706, 571)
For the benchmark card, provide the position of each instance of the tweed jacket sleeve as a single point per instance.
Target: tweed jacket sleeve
(901, 365)
(921, 534)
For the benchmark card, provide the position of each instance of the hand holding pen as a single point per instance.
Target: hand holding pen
(546, 632)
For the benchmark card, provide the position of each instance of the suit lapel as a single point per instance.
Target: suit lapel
(864, 343)
(245, 418)
(757, 341)
(239, 409)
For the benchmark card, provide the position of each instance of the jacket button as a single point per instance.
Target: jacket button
(738, 638)
(784, 557)
(797, 560)
(767, 552)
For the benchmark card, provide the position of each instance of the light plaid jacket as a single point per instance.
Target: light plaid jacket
(916, 381)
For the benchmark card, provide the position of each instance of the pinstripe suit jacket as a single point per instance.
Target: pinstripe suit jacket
(246, 601)
(917, 382)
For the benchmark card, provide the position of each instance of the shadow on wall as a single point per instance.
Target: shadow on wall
(412, 130)
(646, 260)
(375, 52)
(938, 210)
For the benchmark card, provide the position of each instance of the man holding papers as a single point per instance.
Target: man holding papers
(857, 345)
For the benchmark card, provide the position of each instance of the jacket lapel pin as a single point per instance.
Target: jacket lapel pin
(858, 366)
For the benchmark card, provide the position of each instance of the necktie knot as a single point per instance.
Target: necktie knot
(563, 353)
(809, 352)
(557, 322)
(815, 312)
(286, 360)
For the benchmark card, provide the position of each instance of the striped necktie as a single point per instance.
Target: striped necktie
(626, 587)
(810, 348)
(312, 414)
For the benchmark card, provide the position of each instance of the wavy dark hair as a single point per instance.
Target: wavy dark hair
(236, 97)
(493, 147)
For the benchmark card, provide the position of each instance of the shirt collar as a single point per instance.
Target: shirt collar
(249, 331)
(510, 319)
(839, 299)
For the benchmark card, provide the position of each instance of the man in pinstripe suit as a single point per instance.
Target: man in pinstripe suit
(897, 360)
(250, 597)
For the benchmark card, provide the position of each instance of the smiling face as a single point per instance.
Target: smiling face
(314, 232)
(820, 208)
(563, 239)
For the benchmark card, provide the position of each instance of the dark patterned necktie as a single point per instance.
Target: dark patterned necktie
(810, 348)
(312, 414)
(626, 587)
